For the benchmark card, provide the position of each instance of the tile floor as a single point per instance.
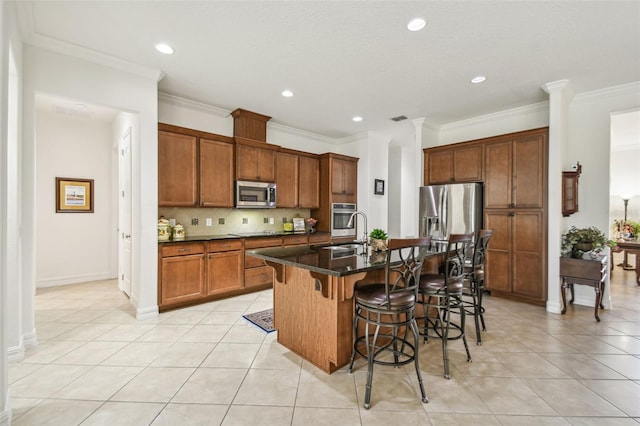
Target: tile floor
(205, 365)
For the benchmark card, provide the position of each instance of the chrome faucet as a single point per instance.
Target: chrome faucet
(364, 240)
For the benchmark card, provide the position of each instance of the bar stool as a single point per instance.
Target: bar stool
(474, 282)
(441, 295)
(389, 308)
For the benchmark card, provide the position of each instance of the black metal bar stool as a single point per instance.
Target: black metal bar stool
(389, 308)
(441, 295)
(474, 282)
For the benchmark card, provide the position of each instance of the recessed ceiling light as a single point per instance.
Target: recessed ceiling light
(478, 79)
(416, 24)
(164, 48)
(357, 118)
(287, 93)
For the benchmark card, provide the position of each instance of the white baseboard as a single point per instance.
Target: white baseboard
(554, 307)
(30, 339)
(147, 313)
(15, 353)
(5, 416)
(73, 279)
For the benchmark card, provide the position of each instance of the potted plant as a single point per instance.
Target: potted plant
(626, 229)
(578, 241)
(378, 239)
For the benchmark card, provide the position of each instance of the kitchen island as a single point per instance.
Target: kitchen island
(313, 297)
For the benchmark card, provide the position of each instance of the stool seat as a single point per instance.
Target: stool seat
(375, 296)
(436, 282)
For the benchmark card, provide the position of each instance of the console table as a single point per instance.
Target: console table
(591, 273)
(631, 247)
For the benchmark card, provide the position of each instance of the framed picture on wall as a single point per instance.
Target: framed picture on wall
(378, 187)
(74, 195)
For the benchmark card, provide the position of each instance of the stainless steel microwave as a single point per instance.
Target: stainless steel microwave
(255, 195)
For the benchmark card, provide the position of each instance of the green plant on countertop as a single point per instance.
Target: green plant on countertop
(378, 234)
(578, 241)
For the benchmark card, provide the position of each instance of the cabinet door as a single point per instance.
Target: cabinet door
(529, 170)
(498, 260)
(309, 183)
(497, 180)
(440, 166)
(344, 177)
(287, 179)
(253, 163)
(182, 278)
(225, 271)
(216, 174)
(467, 164)
(529, 272)
(177, 170)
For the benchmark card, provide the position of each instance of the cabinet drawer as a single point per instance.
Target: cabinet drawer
(251, 243)
(225, 245)
(258, 276)
(295, 240)
(252, 262)
(319, 238)
(169, 250)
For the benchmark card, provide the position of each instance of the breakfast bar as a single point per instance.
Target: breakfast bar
(312, 297)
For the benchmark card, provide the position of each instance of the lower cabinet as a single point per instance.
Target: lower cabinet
(516, 255)
(256, 272)
(225, 266)
(182, 273)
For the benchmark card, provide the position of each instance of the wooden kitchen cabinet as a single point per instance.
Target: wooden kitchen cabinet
(309, 182)
(452, 165)
(516, 255)
(177, 169)
(216, 173)
(225, 266)
(255, 161)
(182, 273)
(287, 180)
(516, 170)
(344, 178)
(256, 272)
(297, 179)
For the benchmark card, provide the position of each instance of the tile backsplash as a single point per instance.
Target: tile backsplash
(229, 221)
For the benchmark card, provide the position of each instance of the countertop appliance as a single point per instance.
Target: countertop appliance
(450, 209)
(340, 215)
(255, 195)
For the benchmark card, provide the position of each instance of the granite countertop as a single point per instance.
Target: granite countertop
(196, 238)
(322, 259)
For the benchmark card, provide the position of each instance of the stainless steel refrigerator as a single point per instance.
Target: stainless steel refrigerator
(450, 209)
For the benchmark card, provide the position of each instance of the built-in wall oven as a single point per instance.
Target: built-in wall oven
(340, 214)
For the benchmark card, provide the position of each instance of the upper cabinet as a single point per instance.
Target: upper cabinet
(453, 164)
(570, 191)
(515, 171)
(177, 169)
(216, 173)
(255, 161)
(309, 181)
(194, 168)
(344, 178)
(287, 176)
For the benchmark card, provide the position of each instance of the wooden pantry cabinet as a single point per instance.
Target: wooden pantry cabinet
(513, 169)
(451, 165)
(194, 168)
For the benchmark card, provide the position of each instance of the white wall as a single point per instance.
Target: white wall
(625, 158)
(73, 247)
(66, 76)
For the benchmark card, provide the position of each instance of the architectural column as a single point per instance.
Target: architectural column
(560, 95)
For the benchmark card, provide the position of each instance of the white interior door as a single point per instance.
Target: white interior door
(124, 221)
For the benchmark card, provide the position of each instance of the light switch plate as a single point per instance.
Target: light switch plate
(209, 222)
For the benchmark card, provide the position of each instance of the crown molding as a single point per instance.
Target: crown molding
(190, 103)
(607, 92)
(299, 132)
(24, 11)
(540, 107)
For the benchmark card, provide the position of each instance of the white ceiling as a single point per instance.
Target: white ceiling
(346, 58)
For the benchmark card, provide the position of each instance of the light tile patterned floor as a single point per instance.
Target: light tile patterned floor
(205, 365)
